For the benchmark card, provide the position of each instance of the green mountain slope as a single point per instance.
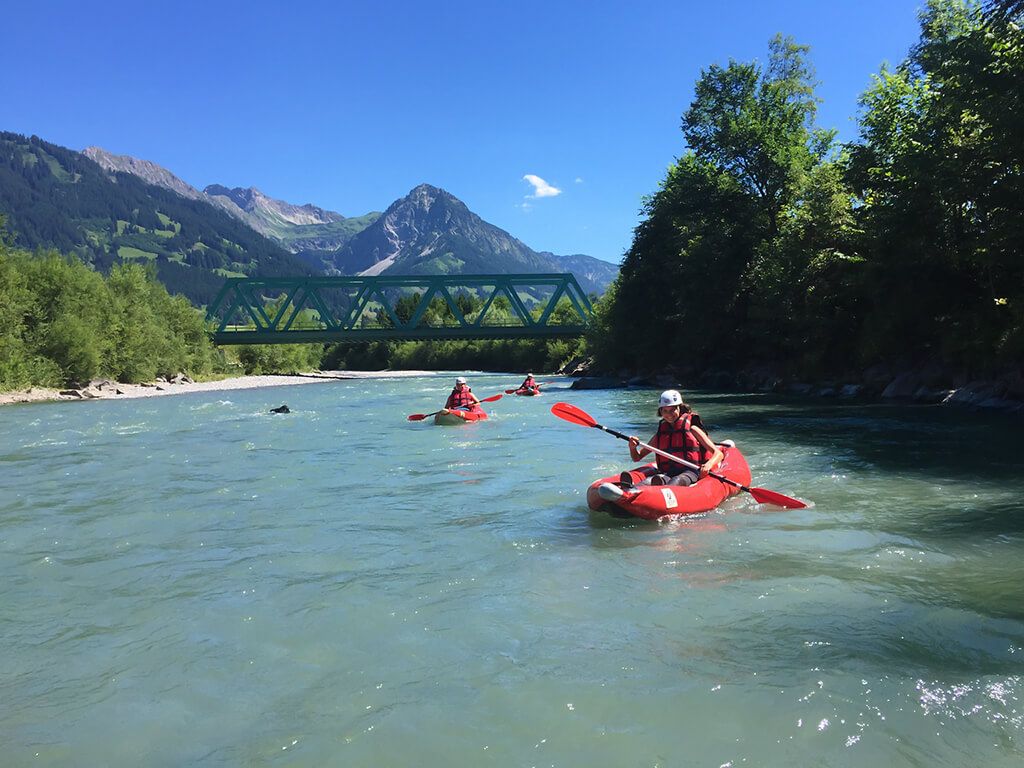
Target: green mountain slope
(295, 227)
(54, 197)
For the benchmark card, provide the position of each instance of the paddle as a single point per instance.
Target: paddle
(422, 416)
(575, 415)
(541, 384)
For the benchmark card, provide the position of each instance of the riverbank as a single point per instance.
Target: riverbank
(926, 385)
(104, 389)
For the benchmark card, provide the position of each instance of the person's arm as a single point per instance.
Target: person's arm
(476, 400)
(716, 452)
(636, 453)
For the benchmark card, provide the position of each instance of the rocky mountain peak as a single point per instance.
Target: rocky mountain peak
(252, 200)
(151, 173)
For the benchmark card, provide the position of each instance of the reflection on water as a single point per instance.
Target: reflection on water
(191, 580)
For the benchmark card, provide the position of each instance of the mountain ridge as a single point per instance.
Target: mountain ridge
(54, 197)
(428, 231)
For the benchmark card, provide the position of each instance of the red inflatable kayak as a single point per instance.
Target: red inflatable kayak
(460, 417)
(654, 501)
(527, 392)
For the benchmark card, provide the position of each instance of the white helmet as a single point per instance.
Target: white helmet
(460, 380)
(670, 397)
(530, 375)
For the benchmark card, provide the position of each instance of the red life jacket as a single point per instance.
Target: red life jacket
(460, 398)
(529, 383)
(679, 440)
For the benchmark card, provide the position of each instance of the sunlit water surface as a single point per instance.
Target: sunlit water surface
(193, 580)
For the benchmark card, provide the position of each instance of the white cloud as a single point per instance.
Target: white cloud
(540, 187)
(579, 180)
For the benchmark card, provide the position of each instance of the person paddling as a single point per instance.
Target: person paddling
(461, 398)
(681, 434)
(529, 384)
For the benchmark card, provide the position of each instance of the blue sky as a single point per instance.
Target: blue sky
(549, 119)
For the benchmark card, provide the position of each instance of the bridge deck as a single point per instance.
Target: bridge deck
(435, 307)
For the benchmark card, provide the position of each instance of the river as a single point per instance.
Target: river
(194, 580)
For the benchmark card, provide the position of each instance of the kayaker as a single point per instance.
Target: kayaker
(461, 398)
(680, 433)
(529, 384)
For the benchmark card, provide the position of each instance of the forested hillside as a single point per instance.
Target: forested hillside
(768, 243)
(56, 198)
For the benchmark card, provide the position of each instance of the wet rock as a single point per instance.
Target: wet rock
(281, 409)
(902, 387)
(599, 382)
(974, 393)
(930, 396)
(578, 366)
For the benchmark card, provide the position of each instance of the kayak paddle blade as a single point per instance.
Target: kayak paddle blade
(764, 496)
(573, 414)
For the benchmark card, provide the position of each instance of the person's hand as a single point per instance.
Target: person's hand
(634, 442)
(705, 470)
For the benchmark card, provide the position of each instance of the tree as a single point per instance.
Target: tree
(940, 171)
(723, 222)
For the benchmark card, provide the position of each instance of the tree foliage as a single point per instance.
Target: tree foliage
(767, 243)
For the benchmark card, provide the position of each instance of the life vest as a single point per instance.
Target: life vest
(679, 440)
(530, 383)
(461, 398)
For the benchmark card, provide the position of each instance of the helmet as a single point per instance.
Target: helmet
(670, 397)
(460, 380)
(530, 375)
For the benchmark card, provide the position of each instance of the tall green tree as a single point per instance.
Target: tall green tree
(729, 233)
(940, 171)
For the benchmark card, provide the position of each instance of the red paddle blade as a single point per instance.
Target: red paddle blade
(492, 398)
(510, 391)
(764, 496)
(573, 414)
(417, 416)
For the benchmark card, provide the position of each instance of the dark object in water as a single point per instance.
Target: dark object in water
(282, 409)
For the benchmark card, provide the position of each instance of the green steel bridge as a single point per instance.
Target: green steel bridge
(285, 310)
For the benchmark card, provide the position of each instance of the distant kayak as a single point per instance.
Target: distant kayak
(655, 501)
(527, 392)
(460, 417)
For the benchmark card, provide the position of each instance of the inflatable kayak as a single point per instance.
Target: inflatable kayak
(460, 417)
(654, 501)
(527, 392)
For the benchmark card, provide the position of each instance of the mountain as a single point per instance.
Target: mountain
(295, 227)
(151, 173)
(593, 275)
(430, 232)
(54, 197)
(108, 208)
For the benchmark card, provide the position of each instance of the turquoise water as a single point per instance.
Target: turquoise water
(192, 580)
